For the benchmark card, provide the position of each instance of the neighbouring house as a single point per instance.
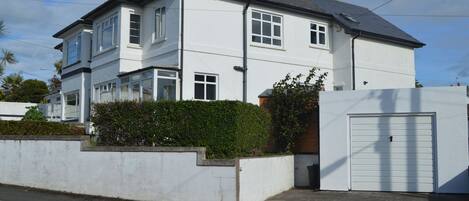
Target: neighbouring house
(226, 49)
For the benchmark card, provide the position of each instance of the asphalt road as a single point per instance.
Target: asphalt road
(13, 193)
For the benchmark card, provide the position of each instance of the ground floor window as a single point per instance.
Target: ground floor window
(72, 106)
(205, 86)
(166, 85)
(105, 92)
(141, 86)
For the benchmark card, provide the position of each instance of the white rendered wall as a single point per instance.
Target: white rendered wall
(383, 65)
(14, 111)
(449, 104)
(61, 166)
(261, 178)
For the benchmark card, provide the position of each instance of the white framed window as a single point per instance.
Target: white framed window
(73, 49)
(105, 92)
(160, 24)
(106, 33)
(318, 35)
(267, 29)
(134, 31)
(72, 105)
(205, 86)
(166, 83)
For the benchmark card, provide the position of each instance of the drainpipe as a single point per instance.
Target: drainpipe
(181, 62)
(245, 51)
(353, 60)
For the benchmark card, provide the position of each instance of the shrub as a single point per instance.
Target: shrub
(291, 105)
(38, 128)
(227, 129)
(33, 114)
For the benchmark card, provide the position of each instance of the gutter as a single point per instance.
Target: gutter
(181, 62)
(245, 51)
(353, 60)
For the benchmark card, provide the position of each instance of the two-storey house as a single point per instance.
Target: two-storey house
(225, 49)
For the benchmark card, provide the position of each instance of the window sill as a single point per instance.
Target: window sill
(134, 46)
(268, 47)
(104, 51)
(319, 47)
(158, 41)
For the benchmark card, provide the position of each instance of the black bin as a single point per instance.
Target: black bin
(313, 173)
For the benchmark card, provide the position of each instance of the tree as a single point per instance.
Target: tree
(34, 114)
(7, 57)
(29, 91)
(55, 83)
(418, 84)
(2, 27)
(11, 82)
(292, 106)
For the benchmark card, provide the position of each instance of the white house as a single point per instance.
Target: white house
(225, 49)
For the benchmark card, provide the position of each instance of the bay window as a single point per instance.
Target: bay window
(166, 85)
(205, 86)
(73, 49)
(149, 85)
(105, 92)
(266, 29)
(106, 33)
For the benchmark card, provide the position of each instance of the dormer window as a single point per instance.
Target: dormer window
(106, 33)
(319, 35)
(73, 49)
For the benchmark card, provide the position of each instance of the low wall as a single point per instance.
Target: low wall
(12, 111)
(261, 178)
(71, 164)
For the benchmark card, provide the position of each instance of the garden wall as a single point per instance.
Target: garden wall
(13, 111)
(71, 164)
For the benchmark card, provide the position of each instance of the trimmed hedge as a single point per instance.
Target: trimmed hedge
(227, 129)
(38, 128)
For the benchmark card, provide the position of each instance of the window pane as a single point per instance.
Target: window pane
(134, 40)
(256, 39)
(199, 78)
(266, 17)
(321, 28)
(106, 37)
(313, 37)
(277, 19)
(267, 41)
(256, 15)
(313, 26)
(211, 91)
(124, 92)
(134, 32)
(136, 91)
(147, 87)
(199, 91)
(277, 30)
(277, 42)
(166, 89)
(266, 29)
(134, 29)
(211, 79)
(134, 18)
(256, 27)
(166, 73)
(322, 38)
(73, 50)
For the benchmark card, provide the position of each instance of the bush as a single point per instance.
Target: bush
(292, 106)
(38, 128)
(227, 129)
(33, 114)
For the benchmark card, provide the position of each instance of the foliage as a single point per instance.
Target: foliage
(33, 114)
(58, 67)
(38, 128)
(11, 82)
(55, 83)
(29, 91)
(418, 84)
(2, 28)
(292, 105)
(7, 58)
(227, 129)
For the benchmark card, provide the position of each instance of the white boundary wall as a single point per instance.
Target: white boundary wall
(261, 178)
(70, 164)
(14, 111)
(448, 104)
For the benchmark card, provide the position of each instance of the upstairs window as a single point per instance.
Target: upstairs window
(205, 87)
(160, 24)
(106, 36)
(134, 35)
(318, 35)
(73, 49)
(266, 29)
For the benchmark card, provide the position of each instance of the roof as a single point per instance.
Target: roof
(172, 68)
(71, 26)
(59, 46)
(367, 23)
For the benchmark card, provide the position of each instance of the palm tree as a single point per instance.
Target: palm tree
(11, 82)
(58, 67)
(2, 28)
(8, 57)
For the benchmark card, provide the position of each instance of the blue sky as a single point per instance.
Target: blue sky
(445, 59)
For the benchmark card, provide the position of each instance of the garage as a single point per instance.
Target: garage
(404, 140)
(392, 153)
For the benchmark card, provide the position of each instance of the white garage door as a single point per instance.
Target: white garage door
(392, 153)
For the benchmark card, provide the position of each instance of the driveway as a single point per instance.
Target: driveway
(309, 195)
(13, 193)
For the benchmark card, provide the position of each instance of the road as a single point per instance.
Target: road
(13, 193)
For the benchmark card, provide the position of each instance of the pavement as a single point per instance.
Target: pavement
(310, 195)
(14, 193)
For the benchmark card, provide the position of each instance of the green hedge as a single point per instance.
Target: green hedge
(227, 129)
(38, 128)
